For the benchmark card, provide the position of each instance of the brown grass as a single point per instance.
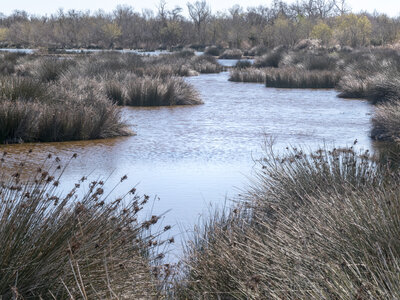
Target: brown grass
(319, 226)
(78, 244)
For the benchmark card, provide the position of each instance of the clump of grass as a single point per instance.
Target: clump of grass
(8, 62)
(231, 54)
(242, 64)
(383, 87)
(50, 69)
(247, 75)
(299, 78)
(311, 60)
(271, 59)
(374, 76)
(319, 226)
(352, 86)
(160, 92)
(386, 122)
(79, 244)
(22, 88)
(114, 92)
(205, 64)
(71, 110)
(256, 51)
(212, 50)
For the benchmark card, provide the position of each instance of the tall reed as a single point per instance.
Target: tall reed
(318, 226)
(79, 244)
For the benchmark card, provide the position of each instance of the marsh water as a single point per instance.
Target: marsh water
(196, 157)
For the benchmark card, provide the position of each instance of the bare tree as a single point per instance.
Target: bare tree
(199, 12)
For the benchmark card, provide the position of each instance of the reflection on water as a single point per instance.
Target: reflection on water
(191, 156)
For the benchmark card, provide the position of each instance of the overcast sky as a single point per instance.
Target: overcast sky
(42, 7)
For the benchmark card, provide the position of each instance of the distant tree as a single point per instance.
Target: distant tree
(111, 33)
(353, 30)
(322, 32)
(384, 29)
(3, 34)
(199, 12)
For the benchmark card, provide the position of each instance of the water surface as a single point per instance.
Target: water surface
(195, 155)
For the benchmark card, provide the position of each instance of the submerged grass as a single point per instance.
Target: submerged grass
(319, 226)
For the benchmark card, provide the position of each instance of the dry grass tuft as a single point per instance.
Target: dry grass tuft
(319, 226)
(73, 245)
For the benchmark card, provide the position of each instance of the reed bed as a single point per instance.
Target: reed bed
(247, 75)
(318, 226)
(231, 54)
(212, 50)
(149, 91)
(67, 97)
(63, 111)
(302, 79)
(386, 122)
(311, 60)
(372, 75)
(75, 245)
(269, 60)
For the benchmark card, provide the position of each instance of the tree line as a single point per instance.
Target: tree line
(280, 23)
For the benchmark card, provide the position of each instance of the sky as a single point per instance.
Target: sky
(43, 7)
